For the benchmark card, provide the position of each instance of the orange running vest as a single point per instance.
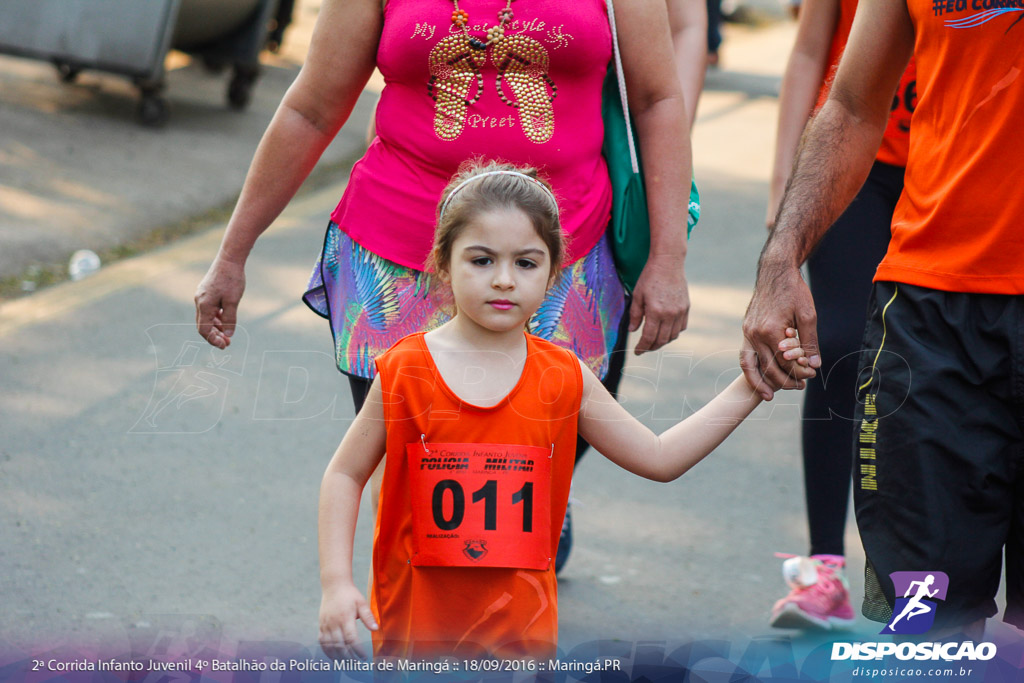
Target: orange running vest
(471, 507)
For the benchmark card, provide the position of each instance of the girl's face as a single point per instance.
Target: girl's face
(500, 270)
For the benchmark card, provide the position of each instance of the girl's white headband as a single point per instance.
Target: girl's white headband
(447, 201)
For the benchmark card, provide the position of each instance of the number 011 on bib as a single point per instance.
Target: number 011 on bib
(480, 505)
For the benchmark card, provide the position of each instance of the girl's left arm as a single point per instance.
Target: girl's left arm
(624, 440)
(657, 104)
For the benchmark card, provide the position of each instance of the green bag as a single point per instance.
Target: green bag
(630, 227)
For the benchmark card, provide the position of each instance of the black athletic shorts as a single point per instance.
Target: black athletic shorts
(939, 452)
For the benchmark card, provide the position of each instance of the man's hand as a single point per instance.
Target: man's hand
(661, 300)
(781, 300)
(217, 298)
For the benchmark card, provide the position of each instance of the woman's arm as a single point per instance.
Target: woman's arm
(688, 21)
(801, 83)
(346, 475)
(341, 57)
(656, 101)
(624, 440)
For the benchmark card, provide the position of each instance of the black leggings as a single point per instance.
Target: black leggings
(360, 386)
(841, 270)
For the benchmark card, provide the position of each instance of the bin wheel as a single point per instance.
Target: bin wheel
(153, 111)
(67, 73)
(240, 88)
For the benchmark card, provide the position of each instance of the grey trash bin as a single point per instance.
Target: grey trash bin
(132, 38)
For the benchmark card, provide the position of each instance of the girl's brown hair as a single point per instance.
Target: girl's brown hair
(498, 192)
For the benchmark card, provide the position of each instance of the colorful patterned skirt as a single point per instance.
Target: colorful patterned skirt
(371, 303)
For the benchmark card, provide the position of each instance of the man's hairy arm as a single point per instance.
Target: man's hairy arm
(835, 156)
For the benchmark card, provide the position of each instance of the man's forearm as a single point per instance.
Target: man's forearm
(834, 159)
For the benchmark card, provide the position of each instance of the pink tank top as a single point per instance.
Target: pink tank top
(532, 98)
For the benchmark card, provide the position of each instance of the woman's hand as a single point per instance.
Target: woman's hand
(340, 606)
(661, 300)
(341, 58)
(217, 298)
(657, 104)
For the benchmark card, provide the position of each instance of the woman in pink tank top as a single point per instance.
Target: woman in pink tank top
(518, 80)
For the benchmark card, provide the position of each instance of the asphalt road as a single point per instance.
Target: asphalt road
(146, 473)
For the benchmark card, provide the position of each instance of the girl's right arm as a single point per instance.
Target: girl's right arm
(801, 83)
(346, 475)
(341, 58)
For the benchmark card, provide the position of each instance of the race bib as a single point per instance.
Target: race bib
(480, 505)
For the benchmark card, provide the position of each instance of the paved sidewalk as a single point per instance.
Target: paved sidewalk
(651, 561)
(78, 172)
(163, 494)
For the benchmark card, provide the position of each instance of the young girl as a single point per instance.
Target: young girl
(479, 421)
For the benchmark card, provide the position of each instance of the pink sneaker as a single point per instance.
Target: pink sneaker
(820, 595)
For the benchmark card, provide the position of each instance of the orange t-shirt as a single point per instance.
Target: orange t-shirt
(896, 140)
(959, 225)
(471, 507)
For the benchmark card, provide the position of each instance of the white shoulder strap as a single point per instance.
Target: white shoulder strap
(622, 87)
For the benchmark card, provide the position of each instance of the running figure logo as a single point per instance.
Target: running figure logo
(914, 613)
